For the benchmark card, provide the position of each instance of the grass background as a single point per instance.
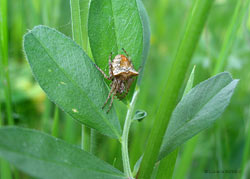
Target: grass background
(222, 147)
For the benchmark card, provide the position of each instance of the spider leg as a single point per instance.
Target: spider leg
(112, 99)
(102, 72)
(128, 85)
(111, 91)
(126, 52)
(139, 69)
(110, 66)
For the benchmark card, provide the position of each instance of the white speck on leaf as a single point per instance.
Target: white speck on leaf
(74, 110)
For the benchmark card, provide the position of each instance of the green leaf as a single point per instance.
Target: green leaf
(44, 156)
(70, 79)
(117, 24)
(190, 82)
(137, 166)
(198, 110)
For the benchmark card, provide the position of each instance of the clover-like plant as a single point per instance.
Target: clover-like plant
(70, 79)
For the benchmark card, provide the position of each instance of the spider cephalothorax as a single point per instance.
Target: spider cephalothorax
(121, 73)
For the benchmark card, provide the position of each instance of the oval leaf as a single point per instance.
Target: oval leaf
(44, 156)
(117, 24)
(197, 110)
(70, 79)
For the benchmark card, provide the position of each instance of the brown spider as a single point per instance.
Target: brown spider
(121, 73)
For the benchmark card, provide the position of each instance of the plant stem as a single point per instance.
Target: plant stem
(246, 152)
(124, 141)
(86, 138)
(78, 37)
(1, 119)
(46, 114)
(5, 171)
(196, 21)
(76, 22)
(167, 165)
(4, 59)
(55, 122)
(231, 34)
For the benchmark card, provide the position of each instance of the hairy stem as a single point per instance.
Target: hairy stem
(124, 141)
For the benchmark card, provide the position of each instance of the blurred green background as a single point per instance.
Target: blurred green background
(220, 148)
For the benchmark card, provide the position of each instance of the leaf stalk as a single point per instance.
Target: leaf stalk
(124, 141)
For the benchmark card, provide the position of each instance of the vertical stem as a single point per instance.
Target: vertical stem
(78, 37)
(196, 21)
(246, 152)
(1, 119)
(240, 10)
(5, 171)
(124, 141)
(69, 134)
(84, 6)
(86, 138)
(231, 34)
(4, 59)
(55, 122)
(167, 165)
(46, 114)
(76, 22)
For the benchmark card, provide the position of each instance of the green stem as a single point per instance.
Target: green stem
(124, 141)
(76, 22)
(69, 134)
(78, 36)
(176, 77)
(1, 119)
(55, 122)
(246, 152)
(4, 59)
(86, 138)
(231, 34)
(186, 157)
(5, 171)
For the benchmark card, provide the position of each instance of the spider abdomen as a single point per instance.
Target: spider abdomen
(122, 66)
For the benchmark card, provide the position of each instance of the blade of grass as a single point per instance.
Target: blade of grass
(166, 169)
(1, 118)
(4, 69)
(84, 11)
(229, 40)
(55, 122)
(231, 34)
(196, 22)
(5, 170)
(46, 114)
(230, 37)
(245, 159)
(78, 37)
(84, 6)
(4, 59)
(70, 128)
(186, 158)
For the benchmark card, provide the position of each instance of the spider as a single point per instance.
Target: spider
(121, 73)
